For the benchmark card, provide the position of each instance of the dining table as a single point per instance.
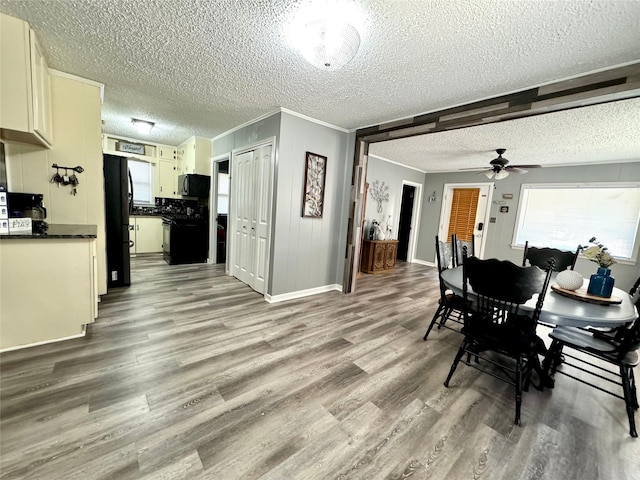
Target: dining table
(559, 310)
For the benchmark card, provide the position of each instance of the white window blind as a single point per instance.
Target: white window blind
(565, 216)
(141, 174)
(223, 193)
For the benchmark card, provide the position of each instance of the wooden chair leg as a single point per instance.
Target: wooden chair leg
(436, 315)
(553, 358)
(625, 373)
(519, 384)
(634, 393)
(445, 315)
(454, 365)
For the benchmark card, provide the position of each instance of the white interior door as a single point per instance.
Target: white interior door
(481, 214)
(260, 220)
(242, 185)
(251, 179)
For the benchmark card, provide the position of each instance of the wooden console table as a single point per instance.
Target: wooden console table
(379, 256)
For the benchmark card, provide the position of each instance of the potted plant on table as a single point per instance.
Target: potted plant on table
(601, 282)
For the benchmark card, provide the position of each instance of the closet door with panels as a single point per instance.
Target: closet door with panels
(250, 197)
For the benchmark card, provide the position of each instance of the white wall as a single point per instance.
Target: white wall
(77, 130)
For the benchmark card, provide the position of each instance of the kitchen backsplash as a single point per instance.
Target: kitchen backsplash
(175, 206)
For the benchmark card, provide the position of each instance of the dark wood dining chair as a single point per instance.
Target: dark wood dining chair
(542, 256)
(619, 349)
(460, 245)
(494, 322)
(449, 304)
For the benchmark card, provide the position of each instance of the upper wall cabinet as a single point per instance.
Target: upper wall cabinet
(194, 156)
(25, 86)
(166, 152)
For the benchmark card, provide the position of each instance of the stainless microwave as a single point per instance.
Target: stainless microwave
(194, 185)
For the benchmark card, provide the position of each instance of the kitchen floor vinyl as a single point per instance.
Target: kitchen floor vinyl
(190, 374)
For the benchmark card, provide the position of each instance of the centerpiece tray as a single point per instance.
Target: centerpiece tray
(582, 295)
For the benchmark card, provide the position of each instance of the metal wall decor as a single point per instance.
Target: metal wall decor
(314, 182)
(380, 193)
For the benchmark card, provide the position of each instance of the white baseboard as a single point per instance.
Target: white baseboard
(302, 293)
(56, 340)
(424, 262)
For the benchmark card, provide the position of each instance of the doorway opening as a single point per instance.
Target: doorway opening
(465, 212)
(219, 211)
(408, 223)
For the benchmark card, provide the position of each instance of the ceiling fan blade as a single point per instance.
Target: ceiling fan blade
(517, 170)
(524, 166)
(475, 168)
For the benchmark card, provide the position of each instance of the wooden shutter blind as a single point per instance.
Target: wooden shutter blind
(463, 213)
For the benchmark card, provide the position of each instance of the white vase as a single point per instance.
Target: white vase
(379, 233)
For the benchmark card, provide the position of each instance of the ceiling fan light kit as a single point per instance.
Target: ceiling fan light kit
(500, 167)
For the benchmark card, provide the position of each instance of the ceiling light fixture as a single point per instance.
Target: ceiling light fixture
(502, 174)
(142, 126)
(327, 33)
(329, 44)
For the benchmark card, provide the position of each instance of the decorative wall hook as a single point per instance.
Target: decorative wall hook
(67, 179)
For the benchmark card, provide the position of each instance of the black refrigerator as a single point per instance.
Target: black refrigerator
(118, 192)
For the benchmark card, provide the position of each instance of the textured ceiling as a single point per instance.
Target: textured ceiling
(202, 67)
(608, 132)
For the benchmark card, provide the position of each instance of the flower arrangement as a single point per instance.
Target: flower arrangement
(598, 253)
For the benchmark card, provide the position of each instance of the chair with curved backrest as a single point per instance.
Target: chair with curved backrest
(449, 305)
(540, 257)
(459, 250)
(494, 321)
(619, 348)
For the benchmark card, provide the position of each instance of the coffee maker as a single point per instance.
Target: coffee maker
(28, 205)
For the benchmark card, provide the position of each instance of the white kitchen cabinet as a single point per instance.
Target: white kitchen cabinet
(62, 273)
(166, 152)
(168, 179)
(194, 156)
(146, 234)
(187, 156)
(25, 85)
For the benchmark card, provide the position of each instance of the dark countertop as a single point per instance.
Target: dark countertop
(59, 231)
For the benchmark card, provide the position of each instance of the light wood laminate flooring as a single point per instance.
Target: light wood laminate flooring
(189, 374)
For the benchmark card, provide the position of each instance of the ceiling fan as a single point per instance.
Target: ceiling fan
(500, 167)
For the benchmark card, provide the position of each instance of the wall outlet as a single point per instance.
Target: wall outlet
(114, 275)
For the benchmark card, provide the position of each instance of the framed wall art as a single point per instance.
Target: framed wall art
(314, 181)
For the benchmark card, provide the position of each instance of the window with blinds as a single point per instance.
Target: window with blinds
(141, 174)
(567, 215)
(464, 206)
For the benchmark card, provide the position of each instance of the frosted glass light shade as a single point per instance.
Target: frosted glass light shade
(502, 174)
(329, 44)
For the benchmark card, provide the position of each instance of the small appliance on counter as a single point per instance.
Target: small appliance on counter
(26, 206)
(193, 185)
